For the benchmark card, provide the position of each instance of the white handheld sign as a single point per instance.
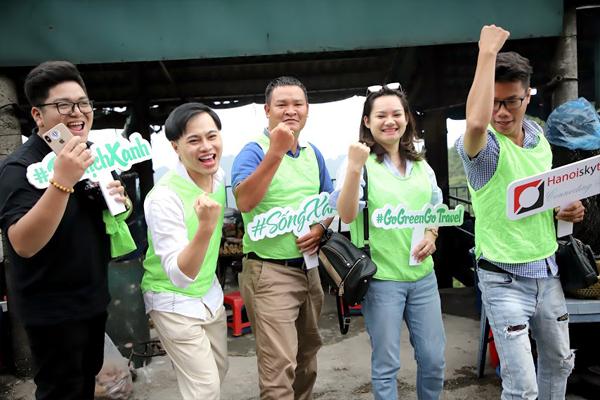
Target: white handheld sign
(117, 154)
(558, 187)
(399, 217)
(280, 220)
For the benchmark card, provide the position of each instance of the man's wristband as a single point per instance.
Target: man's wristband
(61, 187)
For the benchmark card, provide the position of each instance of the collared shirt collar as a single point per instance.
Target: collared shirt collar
(387, 161)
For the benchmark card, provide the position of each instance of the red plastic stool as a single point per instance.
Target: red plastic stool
(236, 303)
(494, 358)
(355, 310)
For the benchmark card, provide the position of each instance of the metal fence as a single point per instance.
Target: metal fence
(460, 195)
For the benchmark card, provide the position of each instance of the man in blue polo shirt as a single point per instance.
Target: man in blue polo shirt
(282, 296)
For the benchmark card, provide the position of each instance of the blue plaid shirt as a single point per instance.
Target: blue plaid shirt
(480, 170)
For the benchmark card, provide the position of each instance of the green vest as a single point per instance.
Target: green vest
(295, 180)
(498, 238)
(155, 278)
(390, 249)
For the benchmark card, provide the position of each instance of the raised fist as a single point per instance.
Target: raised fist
(492, 38)
(208, 212)
(282, 139)
(358, 154)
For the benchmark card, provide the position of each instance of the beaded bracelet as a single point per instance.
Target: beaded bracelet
(61, 187)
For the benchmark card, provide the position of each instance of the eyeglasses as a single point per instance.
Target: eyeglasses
(377, 88)
(509, 104)
(68, 107)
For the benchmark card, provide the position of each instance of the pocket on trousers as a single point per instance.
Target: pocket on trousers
(256, 273)
(250, 275)
(494, 278)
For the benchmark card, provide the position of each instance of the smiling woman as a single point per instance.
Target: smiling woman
(404, 286)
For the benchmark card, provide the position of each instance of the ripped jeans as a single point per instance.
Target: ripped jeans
(514, 305)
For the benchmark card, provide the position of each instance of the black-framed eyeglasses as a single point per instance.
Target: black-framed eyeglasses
(68, 107)
(377, 88)
(509, 104)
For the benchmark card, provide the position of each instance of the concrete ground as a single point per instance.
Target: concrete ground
(344, 363)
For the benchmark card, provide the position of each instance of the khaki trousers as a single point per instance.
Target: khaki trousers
(284, 305)
(198, 350)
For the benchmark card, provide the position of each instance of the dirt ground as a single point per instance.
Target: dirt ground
(344, 363)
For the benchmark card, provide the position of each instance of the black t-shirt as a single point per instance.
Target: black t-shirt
(67, 278)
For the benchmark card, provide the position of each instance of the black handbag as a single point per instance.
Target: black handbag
(576, 264)
(347, 269)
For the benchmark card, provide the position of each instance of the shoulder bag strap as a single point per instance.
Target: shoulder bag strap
(365, 210)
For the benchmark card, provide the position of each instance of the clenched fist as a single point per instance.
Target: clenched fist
(208, 212)
(492, 38)
(282, 139)
(358, 153)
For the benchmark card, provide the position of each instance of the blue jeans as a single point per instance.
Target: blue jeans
(386, 304)
(514, 305)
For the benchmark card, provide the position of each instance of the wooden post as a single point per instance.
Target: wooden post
(436, 145)
(10, 139)
(10, 129)
(139, 122)
(566, 60)
(597, 72)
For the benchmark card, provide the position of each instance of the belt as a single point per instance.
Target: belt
(488, 266)
(292, 262)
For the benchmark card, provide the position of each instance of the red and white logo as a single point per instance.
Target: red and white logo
(529, 196)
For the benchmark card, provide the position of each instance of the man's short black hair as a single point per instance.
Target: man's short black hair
(179, 117)
(45, 76)
(283, 81)
(513, 67)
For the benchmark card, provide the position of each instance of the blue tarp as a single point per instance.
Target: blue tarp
(574, 125)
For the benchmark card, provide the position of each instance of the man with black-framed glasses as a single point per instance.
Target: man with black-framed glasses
(57, 242)
(68, 107)
(517, 271)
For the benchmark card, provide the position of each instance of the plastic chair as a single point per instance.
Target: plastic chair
(234, 301)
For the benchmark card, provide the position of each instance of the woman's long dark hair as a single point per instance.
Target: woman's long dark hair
(406, 145)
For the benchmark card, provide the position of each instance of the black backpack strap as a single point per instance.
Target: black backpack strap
(343, 310)
(366, 209)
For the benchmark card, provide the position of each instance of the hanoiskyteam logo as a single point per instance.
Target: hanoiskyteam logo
(555, 188)
(529, 196)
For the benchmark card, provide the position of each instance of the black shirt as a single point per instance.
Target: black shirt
(67, 279)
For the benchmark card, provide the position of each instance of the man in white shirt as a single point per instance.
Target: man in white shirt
(184, 213)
